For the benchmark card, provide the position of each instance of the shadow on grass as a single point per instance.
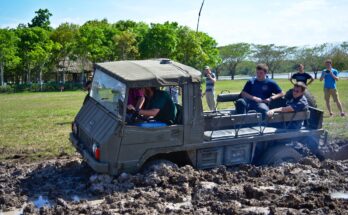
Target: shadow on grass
(63, 123)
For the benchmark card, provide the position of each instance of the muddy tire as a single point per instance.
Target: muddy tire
(155, 165)
(279, 154)
(310, 98)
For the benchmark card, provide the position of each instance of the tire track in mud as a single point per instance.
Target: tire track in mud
(69, 186)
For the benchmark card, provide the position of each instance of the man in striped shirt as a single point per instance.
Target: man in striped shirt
(209, 88)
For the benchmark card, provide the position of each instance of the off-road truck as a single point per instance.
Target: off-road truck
(111, 145)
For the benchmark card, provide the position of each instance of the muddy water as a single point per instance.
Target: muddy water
(339, 195)
(68, 186)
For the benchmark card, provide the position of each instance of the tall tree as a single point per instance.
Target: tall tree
(66, 37)
(35, 48)
(232, 55)
(339, 57)
(126, 45)
(95, 41)
(42, 19)
(160, 41)
(313, 57)
(272, 55)
(210, 52)
(8, 51)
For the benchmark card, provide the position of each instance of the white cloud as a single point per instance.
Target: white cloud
(75, 20)
(293, 23)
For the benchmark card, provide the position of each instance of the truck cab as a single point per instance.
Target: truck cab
(110, 144)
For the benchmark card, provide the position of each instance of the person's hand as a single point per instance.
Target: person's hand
(268, 100)
(131, 107)
(257, 99)
(270, 113)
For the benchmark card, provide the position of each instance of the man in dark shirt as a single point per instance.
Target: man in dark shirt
(297, 103)
(258, 92)
(302, 76)
(159, 105)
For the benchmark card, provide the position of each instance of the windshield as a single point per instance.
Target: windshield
(109, 92)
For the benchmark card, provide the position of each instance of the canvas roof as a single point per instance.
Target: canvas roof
(154, 72)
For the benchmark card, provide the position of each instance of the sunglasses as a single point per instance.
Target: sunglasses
(297, 91)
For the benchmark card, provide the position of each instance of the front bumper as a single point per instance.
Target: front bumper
(97, 166)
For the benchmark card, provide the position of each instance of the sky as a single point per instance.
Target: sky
(280, 22)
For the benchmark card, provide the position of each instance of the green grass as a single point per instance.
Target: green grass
(36, 125)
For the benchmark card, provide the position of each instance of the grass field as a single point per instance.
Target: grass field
(36, 125)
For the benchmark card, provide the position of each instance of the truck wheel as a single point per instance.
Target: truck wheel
(310, 98)
(277, 155)
(155, 165)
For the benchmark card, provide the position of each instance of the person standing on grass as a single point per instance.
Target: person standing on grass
(330, 76)
(301, 76)
(210, 87)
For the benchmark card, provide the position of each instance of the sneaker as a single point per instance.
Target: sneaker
(343, 114)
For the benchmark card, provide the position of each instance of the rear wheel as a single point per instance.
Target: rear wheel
(279, 154)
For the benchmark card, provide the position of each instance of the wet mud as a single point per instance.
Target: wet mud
(69, 186)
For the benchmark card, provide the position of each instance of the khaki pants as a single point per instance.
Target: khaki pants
(210, 96)
(331, 92)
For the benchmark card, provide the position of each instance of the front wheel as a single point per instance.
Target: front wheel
(276, 155)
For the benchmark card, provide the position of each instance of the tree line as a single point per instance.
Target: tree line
(30, 51)
(241, 58)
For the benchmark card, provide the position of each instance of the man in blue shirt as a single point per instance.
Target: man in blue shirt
(330, 76)
(296, 103)
(258, 92)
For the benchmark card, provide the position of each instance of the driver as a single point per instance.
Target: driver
(159, 105)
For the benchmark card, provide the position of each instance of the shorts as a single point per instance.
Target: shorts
(330, 92)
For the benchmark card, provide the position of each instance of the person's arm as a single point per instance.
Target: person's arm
(251, 97)
(274, 97)
(148, 113)
(211, 77)
(140, 103)
(246, 92)
(281, 110)
(277, 91)
(334, 76)
(310, 78)
(291, 78)
(310, 81)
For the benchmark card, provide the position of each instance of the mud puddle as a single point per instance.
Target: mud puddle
(339, 195)
(69, 186)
